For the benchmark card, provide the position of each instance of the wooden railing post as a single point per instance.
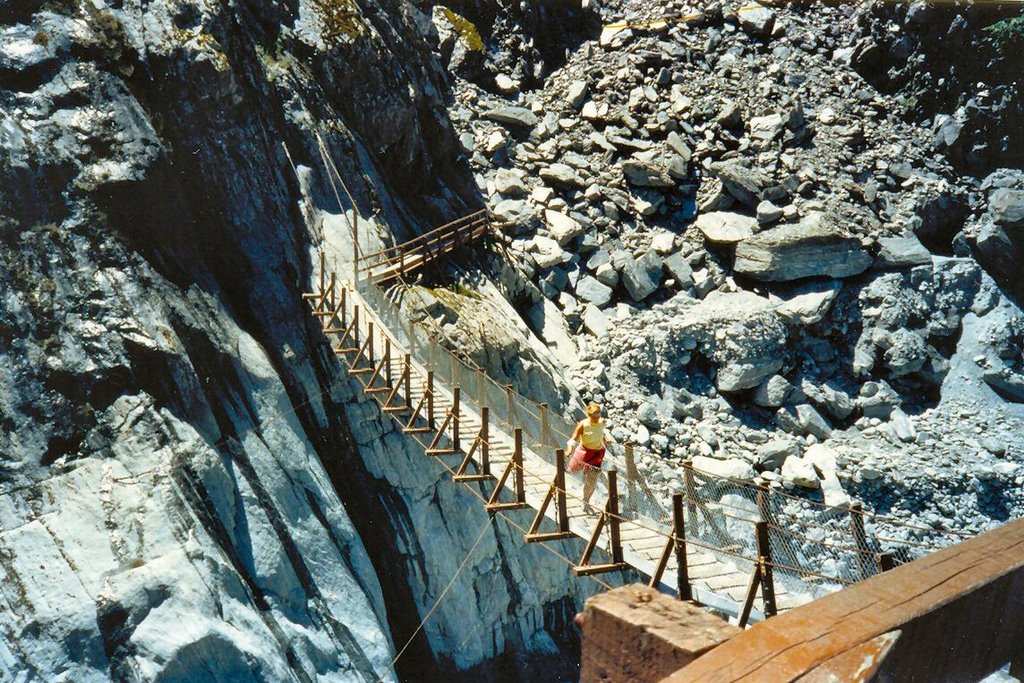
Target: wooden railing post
(407, 372)
(563, 511)
(455, 418)
(613, 516)
(764, 554)
(431, 422)
(683, 589)
(860, 541)
(344, 306)
(485, 437)
(332, 301)
(511, 405)
(632, 475)
(691, 493)
(323, 271)
(764, 502)
(517, 459)
(885, 561)
(369, 343)
(389, 381)
(544, 425)
(355, 324)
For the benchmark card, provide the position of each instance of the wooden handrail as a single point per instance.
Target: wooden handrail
(394, 255)
(447, 227)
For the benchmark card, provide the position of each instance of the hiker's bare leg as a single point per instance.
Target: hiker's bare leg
(589, 483)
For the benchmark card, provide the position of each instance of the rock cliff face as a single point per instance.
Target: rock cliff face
(176, 432)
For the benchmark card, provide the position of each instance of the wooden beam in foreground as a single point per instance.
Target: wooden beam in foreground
(954, 615)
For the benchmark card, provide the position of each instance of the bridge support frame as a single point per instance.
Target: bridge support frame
(515, 469)
(611, 518)
(676, 545)
(555, 492)
(762, 578)
(481, 443)
(452, 418)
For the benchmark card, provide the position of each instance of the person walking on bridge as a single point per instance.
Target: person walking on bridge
(587, 446)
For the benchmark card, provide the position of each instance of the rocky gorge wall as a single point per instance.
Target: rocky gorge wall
(188, 487)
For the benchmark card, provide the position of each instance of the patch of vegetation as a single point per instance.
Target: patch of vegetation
(1007, 35)
(42, 39)
(277, 62)
(204, 42)
(465, 29)
(340, 21)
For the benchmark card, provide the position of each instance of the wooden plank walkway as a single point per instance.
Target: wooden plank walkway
(718, 580)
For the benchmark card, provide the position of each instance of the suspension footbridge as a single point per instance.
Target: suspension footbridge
(746, 550)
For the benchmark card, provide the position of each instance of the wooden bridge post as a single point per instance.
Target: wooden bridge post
(683, 589)
(407, 372)
(389, 382)
(556, 492)
(764, 554)
(455, 417)
(344, 306)
(485, 438)
(613, 516)
(764, 507)
(331, 299)
(355, 325)
(369, 343)
(431, 422)
(563, 511)
(632, 475)
(864, 565)
(517, 459)
(544, 425)
(691, 493)
(511, 405)
(323, 271)
(885, 562)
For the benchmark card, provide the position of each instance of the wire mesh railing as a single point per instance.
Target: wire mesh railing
(812, 548)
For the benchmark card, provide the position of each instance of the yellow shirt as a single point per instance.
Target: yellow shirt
(593, 434)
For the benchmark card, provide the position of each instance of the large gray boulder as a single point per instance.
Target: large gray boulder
(647, 174)
(641, 277)
(725, 227)
(742, 182)
(811, 248)
(517, 117)
(901, 252)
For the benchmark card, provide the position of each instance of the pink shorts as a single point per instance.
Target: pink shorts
(582, 458)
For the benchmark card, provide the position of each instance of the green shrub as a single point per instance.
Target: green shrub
(1007, 35)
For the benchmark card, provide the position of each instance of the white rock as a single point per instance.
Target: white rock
(564, 228)
(663, 242)
(800, 472)
(546, 251)
(809, 305)
(725, 227)
(595, 320)
(733, 468)
(576, 93)
(506, 84)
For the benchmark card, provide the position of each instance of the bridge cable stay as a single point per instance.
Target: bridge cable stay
(451, 582)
